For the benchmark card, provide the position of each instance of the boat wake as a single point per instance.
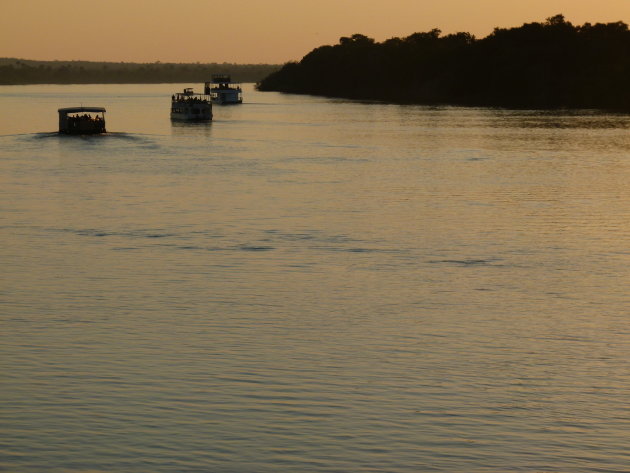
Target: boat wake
(116, 135)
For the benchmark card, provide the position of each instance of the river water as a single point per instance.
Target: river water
(312, 285)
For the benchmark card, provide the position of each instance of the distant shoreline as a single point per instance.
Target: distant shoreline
(15, 71)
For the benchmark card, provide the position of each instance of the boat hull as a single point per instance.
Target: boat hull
(96, 130)
(191, 112)
(226, 96)
(226, 102)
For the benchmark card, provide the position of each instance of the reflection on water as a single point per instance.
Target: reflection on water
(585, 119)
(308, 284)
(191, 128)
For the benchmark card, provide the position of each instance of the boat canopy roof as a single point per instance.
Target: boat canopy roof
(81, 109)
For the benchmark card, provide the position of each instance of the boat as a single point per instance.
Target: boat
(82, 120)
(223, 91)
(189, 106)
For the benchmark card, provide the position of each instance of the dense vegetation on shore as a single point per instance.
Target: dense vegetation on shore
(22, 71)
(539, 65)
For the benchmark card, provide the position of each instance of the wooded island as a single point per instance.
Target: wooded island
(537, 65)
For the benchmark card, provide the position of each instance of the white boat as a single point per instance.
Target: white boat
(223, 91)
(82, 120)
(190, 106)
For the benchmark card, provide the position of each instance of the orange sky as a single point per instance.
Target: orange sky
(254, 31)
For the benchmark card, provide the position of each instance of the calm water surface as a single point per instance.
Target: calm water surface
(312, 285)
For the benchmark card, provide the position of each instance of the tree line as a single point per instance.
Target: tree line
(537, 65)
(21, 71)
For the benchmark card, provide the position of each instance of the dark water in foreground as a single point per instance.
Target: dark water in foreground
(312, 285)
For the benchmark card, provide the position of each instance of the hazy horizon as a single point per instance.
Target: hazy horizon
(253, 32)
(7, 59)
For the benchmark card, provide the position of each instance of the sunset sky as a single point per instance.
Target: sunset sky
(254, 31)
